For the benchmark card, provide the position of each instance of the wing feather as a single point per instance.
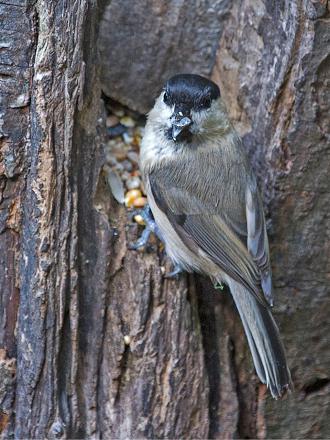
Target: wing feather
(257, 240)
(219, 236)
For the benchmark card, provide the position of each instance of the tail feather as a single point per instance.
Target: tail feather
(264, 340)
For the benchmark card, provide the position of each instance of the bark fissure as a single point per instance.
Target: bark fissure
(316, 385)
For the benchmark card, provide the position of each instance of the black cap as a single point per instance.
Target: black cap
(190, 92)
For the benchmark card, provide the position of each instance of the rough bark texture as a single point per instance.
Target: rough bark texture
(104, 346)
(274, 67)
(156, 39)
(93, 341)
(16, 52)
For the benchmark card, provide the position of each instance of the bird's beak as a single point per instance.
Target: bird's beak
(179, 124)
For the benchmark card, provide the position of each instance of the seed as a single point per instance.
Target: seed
(116, 185)
(127, 165)
(112, 121)
(127, 121)
(118, 112)
(117, 130)
(133, 183)
(139, 202)
(133, 157)
(139, 220)
(131, 196)
(127, 138)
(119, 154)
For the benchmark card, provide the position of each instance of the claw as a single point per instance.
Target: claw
(150, 222)
(177, 270)
(149, 227)
(142, 241)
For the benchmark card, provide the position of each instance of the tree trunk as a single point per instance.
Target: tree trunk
(72, 296)
(273, 64)
(94, 342)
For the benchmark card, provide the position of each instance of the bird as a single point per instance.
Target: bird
(205, 202)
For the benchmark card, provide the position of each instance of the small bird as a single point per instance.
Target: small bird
(204, 198)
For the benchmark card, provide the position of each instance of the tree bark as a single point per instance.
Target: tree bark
(101, 349)
(94, 342)
(273, 64)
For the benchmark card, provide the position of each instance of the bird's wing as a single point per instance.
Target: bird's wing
(230, 241)
(257, 240)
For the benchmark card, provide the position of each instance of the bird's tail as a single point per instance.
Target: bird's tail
(264, 340)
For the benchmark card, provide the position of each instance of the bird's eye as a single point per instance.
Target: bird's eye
(165, 98)
(207, 103)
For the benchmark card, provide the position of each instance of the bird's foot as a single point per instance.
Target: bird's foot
(150, 226)
(175, 273)
(219, 286)
(142, 241)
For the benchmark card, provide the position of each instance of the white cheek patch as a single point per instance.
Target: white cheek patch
(162, 113)
(167, 113)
